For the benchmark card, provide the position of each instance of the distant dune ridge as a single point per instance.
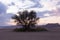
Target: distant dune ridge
(52, 26)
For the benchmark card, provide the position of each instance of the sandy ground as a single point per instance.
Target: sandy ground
(9, 35)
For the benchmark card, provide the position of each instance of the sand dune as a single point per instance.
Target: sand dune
(9, 35)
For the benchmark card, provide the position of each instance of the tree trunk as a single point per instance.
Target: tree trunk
(26, 27)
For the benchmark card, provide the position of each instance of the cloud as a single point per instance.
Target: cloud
(38, 4)
(4, 18)
(51, 19)
(56, 12)
(26, 4)
(3, 8)
(58, 3)
(6, 2)
(43, 14)
(44, 8)
(47, 14)
(12, 9)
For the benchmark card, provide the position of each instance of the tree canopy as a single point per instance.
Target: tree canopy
(26, 19)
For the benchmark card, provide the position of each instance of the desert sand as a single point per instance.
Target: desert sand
(10, 35)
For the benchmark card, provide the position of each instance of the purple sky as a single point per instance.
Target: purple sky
(47, 10)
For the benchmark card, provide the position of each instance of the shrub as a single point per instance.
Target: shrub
(41, 29)
(38, 29)
(19, 30)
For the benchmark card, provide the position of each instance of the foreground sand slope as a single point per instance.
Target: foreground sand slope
(9, 35)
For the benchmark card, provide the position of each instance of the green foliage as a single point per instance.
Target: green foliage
(19, 30)
(41, 29)
(26, 19)
(31, 30)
